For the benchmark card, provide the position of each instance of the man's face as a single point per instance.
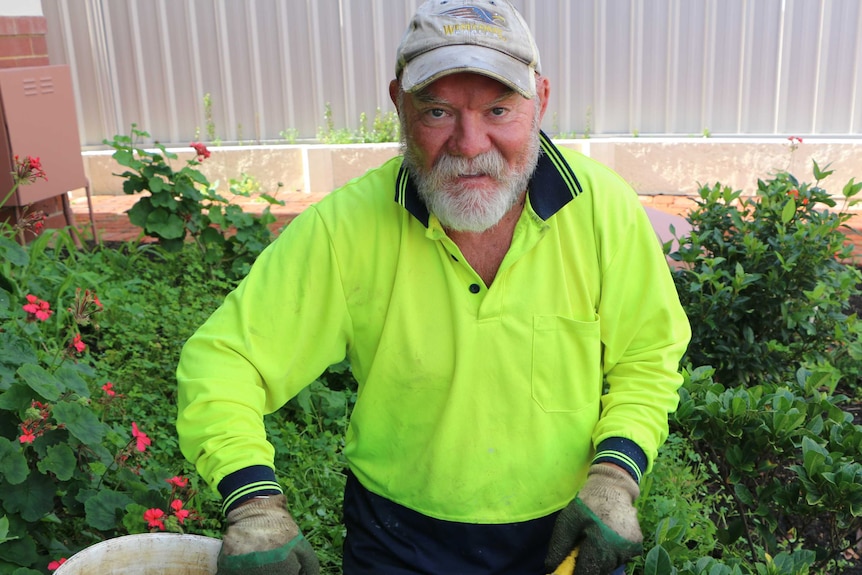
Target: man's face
(471, 144)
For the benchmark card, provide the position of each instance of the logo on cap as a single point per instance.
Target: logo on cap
(489, 23)
(475, 13)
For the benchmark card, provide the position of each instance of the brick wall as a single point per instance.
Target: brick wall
(23, 42)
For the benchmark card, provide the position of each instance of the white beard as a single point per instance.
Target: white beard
(457, 206)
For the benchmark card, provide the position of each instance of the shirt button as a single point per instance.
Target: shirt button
(474, 288)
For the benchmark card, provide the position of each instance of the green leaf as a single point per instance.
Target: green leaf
(184, 188)
(7, 287)
(133, 520)
(12, 462)
(163, 199)
(17, 398)
(60, 460)
(22, 551)
(272, 200)
(851, 188)
(818, 173)
(72, 380)
(32, 499)
(156, 185)
(4, 530)
(41, 381)
(139, 213)
(80, 421)
(789, 211)
(134, 185)
(13, 253)
(102, 509)
(15, 351)
(814, 456)
(165, 224)
(173, 245)
(658, 562)
(198, 177)
(744, 494)
(124, 157)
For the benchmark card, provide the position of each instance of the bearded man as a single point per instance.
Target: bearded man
(506, 311)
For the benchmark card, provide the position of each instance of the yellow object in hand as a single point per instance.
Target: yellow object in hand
(567, 567)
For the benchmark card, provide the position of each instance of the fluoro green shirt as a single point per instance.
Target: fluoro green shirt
(476, 404)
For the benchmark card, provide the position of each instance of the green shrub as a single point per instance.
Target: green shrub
(765, 285)
(763, 281)
(182, 204)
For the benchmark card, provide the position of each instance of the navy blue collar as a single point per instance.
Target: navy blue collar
(552, 186)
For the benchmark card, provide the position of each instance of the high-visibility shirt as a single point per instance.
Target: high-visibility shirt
(480, 404)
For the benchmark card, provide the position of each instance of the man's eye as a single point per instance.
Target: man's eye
(498, 111)
(436, 113)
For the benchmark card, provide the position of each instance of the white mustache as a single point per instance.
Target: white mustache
(490, 163)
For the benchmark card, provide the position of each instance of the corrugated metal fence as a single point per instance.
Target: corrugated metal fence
(271, 67)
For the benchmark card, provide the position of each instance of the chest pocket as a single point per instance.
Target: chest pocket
(567, 357)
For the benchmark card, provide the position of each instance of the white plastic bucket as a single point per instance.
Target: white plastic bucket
(146, 554)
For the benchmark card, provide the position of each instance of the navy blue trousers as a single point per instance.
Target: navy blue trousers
(384, 538)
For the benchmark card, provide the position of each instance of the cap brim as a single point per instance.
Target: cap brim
(434, 64)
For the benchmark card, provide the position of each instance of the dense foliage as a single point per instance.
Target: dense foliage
(761, 474)
(764, 282)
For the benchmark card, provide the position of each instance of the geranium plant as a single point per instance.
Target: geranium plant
(181, 204)
(70, 476)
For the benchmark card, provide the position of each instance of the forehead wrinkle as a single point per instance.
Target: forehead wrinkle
(425, 96)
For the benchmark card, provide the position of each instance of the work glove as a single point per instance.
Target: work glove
(601, 523)
(263, 539)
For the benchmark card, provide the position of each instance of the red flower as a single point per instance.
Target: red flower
(37, 308)
(180, 513)
(54, 565)
(153, 517)
(200, 150)
(77, 345)
(142, 440)
(33, 221)
(28, 170)
(795, 140)
(108, 389)
(178, 481)
(27, 435)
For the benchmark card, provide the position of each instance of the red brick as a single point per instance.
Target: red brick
(22, 25)
(38, 45)
(32, 61)
(15, 46)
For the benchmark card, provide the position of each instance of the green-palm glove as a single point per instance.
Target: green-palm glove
(263, 539)
(601, 521)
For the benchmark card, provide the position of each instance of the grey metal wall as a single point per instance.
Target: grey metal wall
(681, 67)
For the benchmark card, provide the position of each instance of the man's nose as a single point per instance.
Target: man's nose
(470, 137)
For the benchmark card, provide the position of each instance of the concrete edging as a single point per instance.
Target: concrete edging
(653, 166)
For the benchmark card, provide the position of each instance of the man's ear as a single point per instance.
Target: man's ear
(393, 92)
(543, 93)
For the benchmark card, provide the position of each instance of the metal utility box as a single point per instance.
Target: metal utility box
(37, 118)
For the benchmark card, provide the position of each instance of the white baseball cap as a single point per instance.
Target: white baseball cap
(487, 37)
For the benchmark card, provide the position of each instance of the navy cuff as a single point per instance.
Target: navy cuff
(625, 453)
(246, 483)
